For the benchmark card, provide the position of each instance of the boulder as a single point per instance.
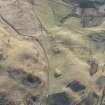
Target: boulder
(58, 99)
(76, 86)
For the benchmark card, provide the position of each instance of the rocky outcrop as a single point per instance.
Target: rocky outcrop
(59, 99)
(76, 86)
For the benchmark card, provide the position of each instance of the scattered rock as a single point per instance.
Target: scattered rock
(93, 67)
(56, 50)
(76, 86)
(58, 99)
(57, 73)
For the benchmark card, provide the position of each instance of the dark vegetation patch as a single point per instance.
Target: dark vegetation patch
(31, 2)
(88, 12)
(86, 3)
(97, 37)
(17, 73)
(89, 99)
(98, 40)
(24, 78)
(91, 21)
(82, 3)
(67, 42)
(31, 100)
(31, 80)
(28, 99)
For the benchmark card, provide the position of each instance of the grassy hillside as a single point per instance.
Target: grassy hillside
(71, 36)
(70, 48)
